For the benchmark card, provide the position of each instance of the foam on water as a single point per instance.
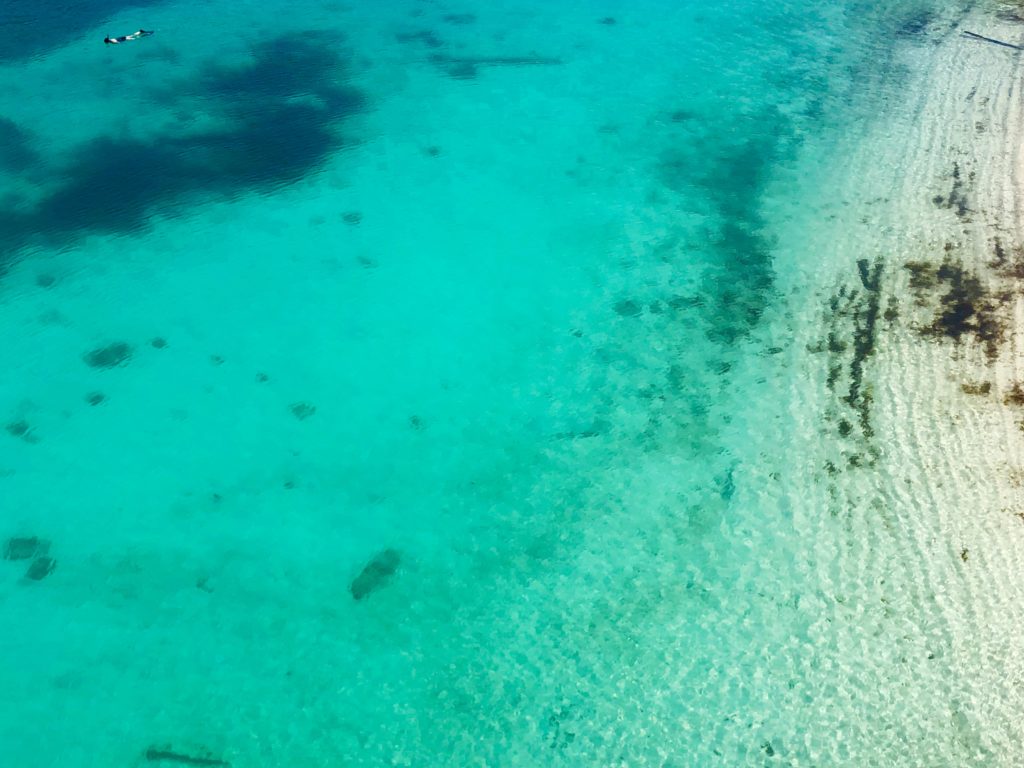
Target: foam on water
(458, 424)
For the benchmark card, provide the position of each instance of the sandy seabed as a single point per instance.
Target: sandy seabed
(915, 374)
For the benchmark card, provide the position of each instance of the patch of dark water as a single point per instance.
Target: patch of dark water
(915, 22)
(732, 176)
(460, 19)
(265, 138)
(425, 36)
(17, 153)
(24, 24)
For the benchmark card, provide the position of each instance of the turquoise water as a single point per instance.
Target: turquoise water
(441, 391)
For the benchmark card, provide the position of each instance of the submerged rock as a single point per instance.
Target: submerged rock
(25, 547)
(20, 428)
(40, 568)
(162, 754)
(376, 574)
(302, 411)
(627, 308)
(459, 18)
(109, 356)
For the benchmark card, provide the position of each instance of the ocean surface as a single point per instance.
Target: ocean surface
(415, 383)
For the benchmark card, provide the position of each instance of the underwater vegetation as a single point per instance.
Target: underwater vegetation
(950, 302)
(962, 308)
(853, 322)
(113, 184)
(731, 177)
(865, 334)
(956, 200)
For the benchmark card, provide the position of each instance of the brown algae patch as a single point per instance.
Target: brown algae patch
(922, 279)
(853, 324)
(956, 200)
(1007, 264)
(864, 337)
(962, 308)
(979, 388)
(1015, 395)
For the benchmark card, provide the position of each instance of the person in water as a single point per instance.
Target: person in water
(125, 38)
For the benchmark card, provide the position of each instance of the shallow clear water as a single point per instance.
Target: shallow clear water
(452, 423)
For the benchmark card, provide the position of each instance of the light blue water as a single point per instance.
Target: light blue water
(461, 444)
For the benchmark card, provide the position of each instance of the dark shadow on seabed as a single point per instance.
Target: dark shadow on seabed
(733, 177)
(16, 152)
(265, 138)
(32, 29)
